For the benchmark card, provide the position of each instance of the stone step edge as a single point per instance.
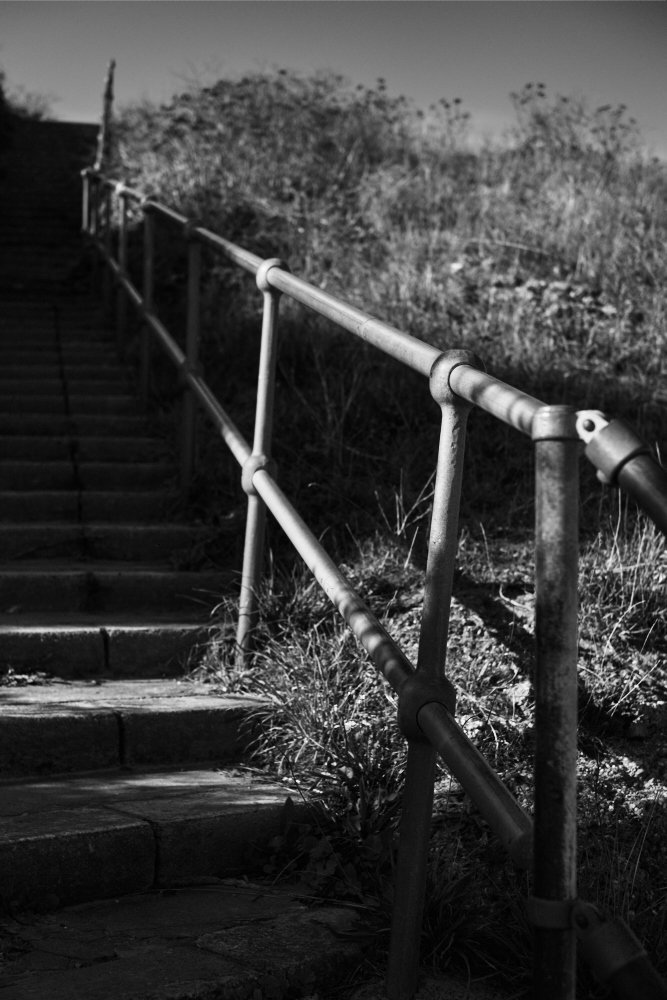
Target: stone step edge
(108, 649)
(243, 939)
(184, 824)
(54, 729)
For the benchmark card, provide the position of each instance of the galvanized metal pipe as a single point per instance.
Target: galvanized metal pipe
(253, 554)
(149, 283)
(108, 234)
(230, 434)
(502, 812)
(557, 450)
(166, 214)
(383, 651)
(189, 411)
(85, 201)
(121, 299)
(411, 352)
(503, 401)
(248, 261)
(417, 806)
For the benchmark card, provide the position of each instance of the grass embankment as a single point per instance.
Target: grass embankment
(546, 256)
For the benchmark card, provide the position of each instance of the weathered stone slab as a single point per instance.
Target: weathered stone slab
(66, 856)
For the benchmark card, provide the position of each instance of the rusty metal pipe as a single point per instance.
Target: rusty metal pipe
(557, 449)
(192, 334)
(107, 242)
(417, 806)
(121, 298)
(503, 401)
(411, 352)
(148, 286)
(248, 261)
(383, 651)
(512, 826)
(253, 554)
(85, 201)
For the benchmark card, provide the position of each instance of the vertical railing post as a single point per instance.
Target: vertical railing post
(189, 408)
(85, 201)
(415, 828)
(557, 450)
(104, 134)
(94, 229)
(253, 551)
(148, 289)
(108, 237)
(121, 297)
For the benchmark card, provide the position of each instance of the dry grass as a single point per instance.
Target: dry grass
(546, 255)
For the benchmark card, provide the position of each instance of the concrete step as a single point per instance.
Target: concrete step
(147, 542)
(106, 833)
(106, 586)
(50, 475)
(93, 505)
(231, 939)
(66, 726)
(72, 371)
(30, 386)
(54, 475)
(16, 404)
(79, 425)
(20, 356)
(101, 449)
(78, 645)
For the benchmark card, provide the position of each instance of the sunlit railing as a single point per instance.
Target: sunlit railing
(426, 698)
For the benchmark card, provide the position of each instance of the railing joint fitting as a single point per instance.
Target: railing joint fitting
(555, 423)
(252, 465)
(187, 369)
(190, 231)
(612, 444)
(416, 692)
(441, 371)
(551, 914)
(262, 276)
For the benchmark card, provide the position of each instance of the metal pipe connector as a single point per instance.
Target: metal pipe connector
(615, 956)
(417, 691)
(262, 276)
(250, 467)
(623, 459)
(441, 373)
(614, 444)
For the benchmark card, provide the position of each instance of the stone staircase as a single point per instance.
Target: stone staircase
(120, 779)
(87, 550)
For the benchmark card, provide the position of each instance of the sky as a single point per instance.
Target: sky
(608, 52)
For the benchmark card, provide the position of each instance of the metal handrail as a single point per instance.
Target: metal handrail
(426, 698)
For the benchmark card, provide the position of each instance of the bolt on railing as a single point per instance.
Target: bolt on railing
(426, 698)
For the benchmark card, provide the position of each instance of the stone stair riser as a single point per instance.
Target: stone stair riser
(100, 449)
(48, 475)
(78, 653)
(94, 505)
(147, 542)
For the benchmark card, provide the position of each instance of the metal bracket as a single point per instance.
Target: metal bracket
(252, 465)
(609, 443)
(441, 372)
(554, 423)
(554, 914)
(262, 278)
(416, 692)
(606, 945)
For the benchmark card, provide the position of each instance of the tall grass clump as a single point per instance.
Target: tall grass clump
(544, 253)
